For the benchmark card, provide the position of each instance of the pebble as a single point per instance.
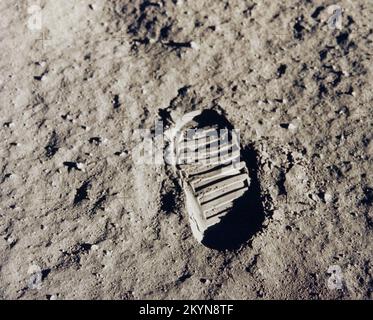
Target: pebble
(11, 240)
(194, 45)
(9, 124)
(80, 166)
(328, 197)
(292, 127)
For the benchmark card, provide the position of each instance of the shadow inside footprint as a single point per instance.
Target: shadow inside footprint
(246, 217)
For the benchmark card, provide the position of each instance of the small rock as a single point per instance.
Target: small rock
(328, 197)
(80, 166)
(42, 77)
(11, 240)
(292, 127)
(8, 124)
(194, 45)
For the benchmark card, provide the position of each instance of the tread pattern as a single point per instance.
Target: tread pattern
(209, 161)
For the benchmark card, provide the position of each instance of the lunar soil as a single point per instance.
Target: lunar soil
(80, 218)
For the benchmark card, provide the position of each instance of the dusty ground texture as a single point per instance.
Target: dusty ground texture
(79, 220)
